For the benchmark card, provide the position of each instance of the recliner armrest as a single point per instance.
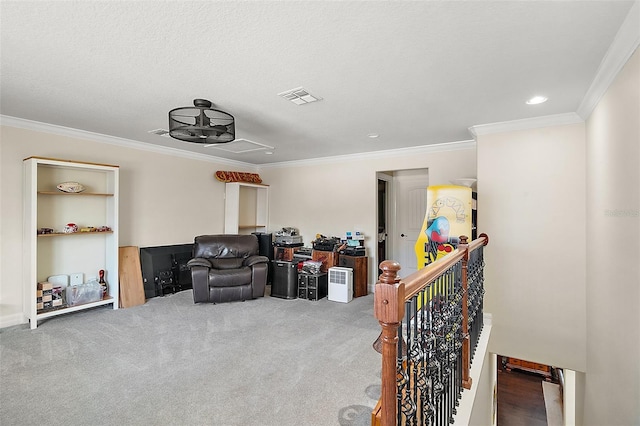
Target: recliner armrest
(199, 261)
(252, 260)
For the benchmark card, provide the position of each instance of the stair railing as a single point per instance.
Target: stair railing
(431, 321)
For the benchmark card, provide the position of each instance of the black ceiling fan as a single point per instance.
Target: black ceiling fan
(201, 124)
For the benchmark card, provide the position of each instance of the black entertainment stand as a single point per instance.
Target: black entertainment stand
(164, 269)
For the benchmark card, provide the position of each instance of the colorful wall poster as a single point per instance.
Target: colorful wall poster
(448, 216)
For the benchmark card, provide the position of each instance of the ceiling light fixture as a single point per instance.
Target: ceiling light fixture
(536, 100)
(373, 135)
(201, 124)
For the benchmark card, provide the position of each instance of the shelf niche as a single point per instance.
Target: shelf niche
(246, 208)
(59, 253)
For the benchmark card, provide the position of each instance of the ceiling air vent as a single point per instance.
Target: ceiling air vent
(239, 146)
(160, 132)
(299, 96)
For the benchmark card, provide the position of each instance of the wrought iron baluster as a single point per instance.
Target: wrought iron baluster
(438, 330)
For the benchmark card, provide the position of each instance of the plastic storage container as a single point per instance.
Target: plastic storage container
(83, 293)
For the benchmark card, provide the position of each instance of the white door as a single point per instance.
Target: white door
(411, 206)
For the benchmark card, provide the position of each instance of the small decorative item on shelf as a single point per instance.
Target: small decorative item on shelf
(45, 231)
(70, 228)
(103, 283)
(88, 229)
(72, 187)
(102, 229)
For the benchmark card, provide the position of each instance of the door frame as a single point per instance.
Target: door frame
(392, 206)
(390, 212)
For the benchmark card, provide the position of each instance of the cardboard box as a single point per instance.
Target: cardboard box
(45, 285)
(45, 298)
(44, 305)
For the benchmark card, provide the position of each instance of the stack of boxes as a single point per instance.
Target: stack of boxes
(48, 297)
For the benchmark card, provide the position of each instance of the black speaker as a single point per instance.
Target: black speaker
(265, 248)
(265, 244)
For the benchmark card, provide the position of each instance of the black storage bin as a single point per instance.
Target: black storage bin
(285, 279)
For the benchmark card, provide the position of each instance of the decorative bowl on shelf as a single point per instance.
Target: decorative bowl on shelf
(72, 187)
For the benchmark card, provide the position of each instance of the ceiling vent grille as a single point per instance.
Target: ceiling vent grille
(160, 132)
(299, 96)
(239, 146)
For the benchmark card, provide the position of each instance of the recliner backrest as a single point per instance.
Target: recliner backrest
(225, 251)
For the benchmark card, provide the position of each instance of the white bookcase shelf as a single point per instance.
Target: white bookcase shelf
(59, 253)
(246, 208)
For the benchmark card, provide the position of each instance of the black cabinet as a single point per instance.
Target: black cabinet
(312, 286)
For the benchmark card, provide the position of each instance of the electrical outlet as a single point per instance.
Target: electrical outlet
(76, 278)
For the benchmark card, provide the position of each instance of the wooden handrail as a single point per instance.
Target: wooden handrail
(391, 294)
(482, 240)
(418, 280)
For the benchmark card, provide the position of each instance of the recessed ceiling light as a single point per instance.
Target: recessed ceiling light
(536, 100)
(268, 152)
(373, 135)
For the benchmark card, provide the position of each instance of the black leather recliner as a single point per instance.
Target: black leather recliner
(225, 268)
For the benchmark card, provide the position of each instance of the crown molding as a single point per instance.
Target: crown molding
(525, 124)
(374, 155)
(624, 44)
(21, 123)
(37, 126)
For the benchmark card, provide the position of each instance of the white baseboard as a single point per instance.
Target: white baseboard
(11, 320)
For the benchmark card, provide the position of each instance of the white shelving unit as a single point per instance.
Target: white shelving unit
(246, 208)
(65, 254)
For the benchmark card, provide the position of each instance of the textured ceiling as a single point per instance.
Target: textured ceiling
(416, 73)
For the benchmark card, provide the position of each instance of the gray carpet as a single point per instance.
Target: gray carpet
(170, 362)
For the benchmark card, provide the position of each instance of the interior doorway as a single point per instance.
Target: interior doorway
(401, 208)
(384, 216)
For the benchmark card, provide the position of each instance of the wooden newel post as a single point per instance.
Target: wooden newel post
(466, 343)
(389, 310)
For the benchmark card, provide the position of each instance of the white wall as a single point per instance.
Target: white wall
(531, 187)
(485, 405)
(612, 394)
(163, 199)
(329, 198)
(167, 199)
